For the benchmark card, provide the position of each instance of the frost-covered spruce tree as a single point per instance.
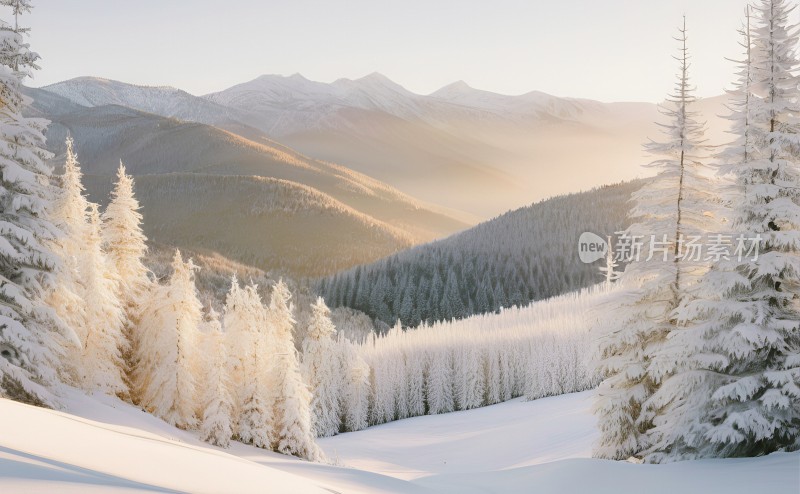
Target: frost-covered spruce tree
(68, 214)
(293, 432)
(250, 342)
(399, 372)
(464, 387)
(492, 372)
(215, 396)
(506, 372)
(355, 398)
(415, 380)
(126, 246)
(102, 368)
(678, 433)
(384, 390)
(439, 382)
(667, 210)
(70, 207)
(322, 371)
(237, 341)
(170, 320)
(31, 335)
(744, 349)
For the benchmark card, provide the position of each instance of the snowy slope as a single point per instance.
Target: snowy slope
(540, 446)
(57, 452)
(513, 434)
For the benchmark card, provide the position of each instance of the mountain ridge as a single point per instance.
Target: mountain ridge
(166, 155)
(467, 150)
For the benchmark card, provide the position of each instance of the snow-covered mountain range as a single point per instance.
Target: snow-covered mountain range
(472, 151)
(467, 154)
(255, 201)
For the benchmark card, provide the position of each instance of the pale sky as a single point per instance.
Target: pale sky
(610, 50)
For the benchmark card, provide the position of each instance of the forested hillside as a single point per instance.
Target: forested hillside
(273, 208)
(524, 255)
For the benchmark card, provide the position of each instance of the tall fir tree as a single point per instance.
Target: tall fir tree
(415, 381)
(293, 433)
(69, 215)
(322, 370)
(31, 335)
(215, 397)
(164, 376)
(70, 205)
(355, 398)
(667, 211)
(250, 343)
(468, 376)
(742, 371)
(126, 247)
(104, 341)
(439, 382)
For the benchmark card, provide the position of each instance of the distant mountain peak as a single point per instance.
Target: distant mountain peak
(458, 87)
(87, 81)
(370, 82)
(376, 77)
(297, 76)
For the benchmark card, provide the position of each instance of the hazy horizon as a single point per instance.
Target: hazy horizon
(616, 51)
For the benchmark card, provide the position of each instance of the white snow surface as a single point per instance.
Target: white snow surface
(104, 445)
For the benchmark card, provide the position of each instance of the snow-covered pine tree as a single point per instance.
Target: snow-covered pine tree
(70, 207)
(668, 210)
(250, 342)
(32, 337)
(215, 396)
(126, 245)
(506, 371)
(492, 372)
(415, 380)
(236, 339)
(678, 433)
(743, 351)
(384, 387)
(439, 382)
(170, 320)
(520, 367)
(399, 369)
(322, 370)
(104, 342)
(292, 397)
(68, 213)
(355, 399)
(468, 370)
